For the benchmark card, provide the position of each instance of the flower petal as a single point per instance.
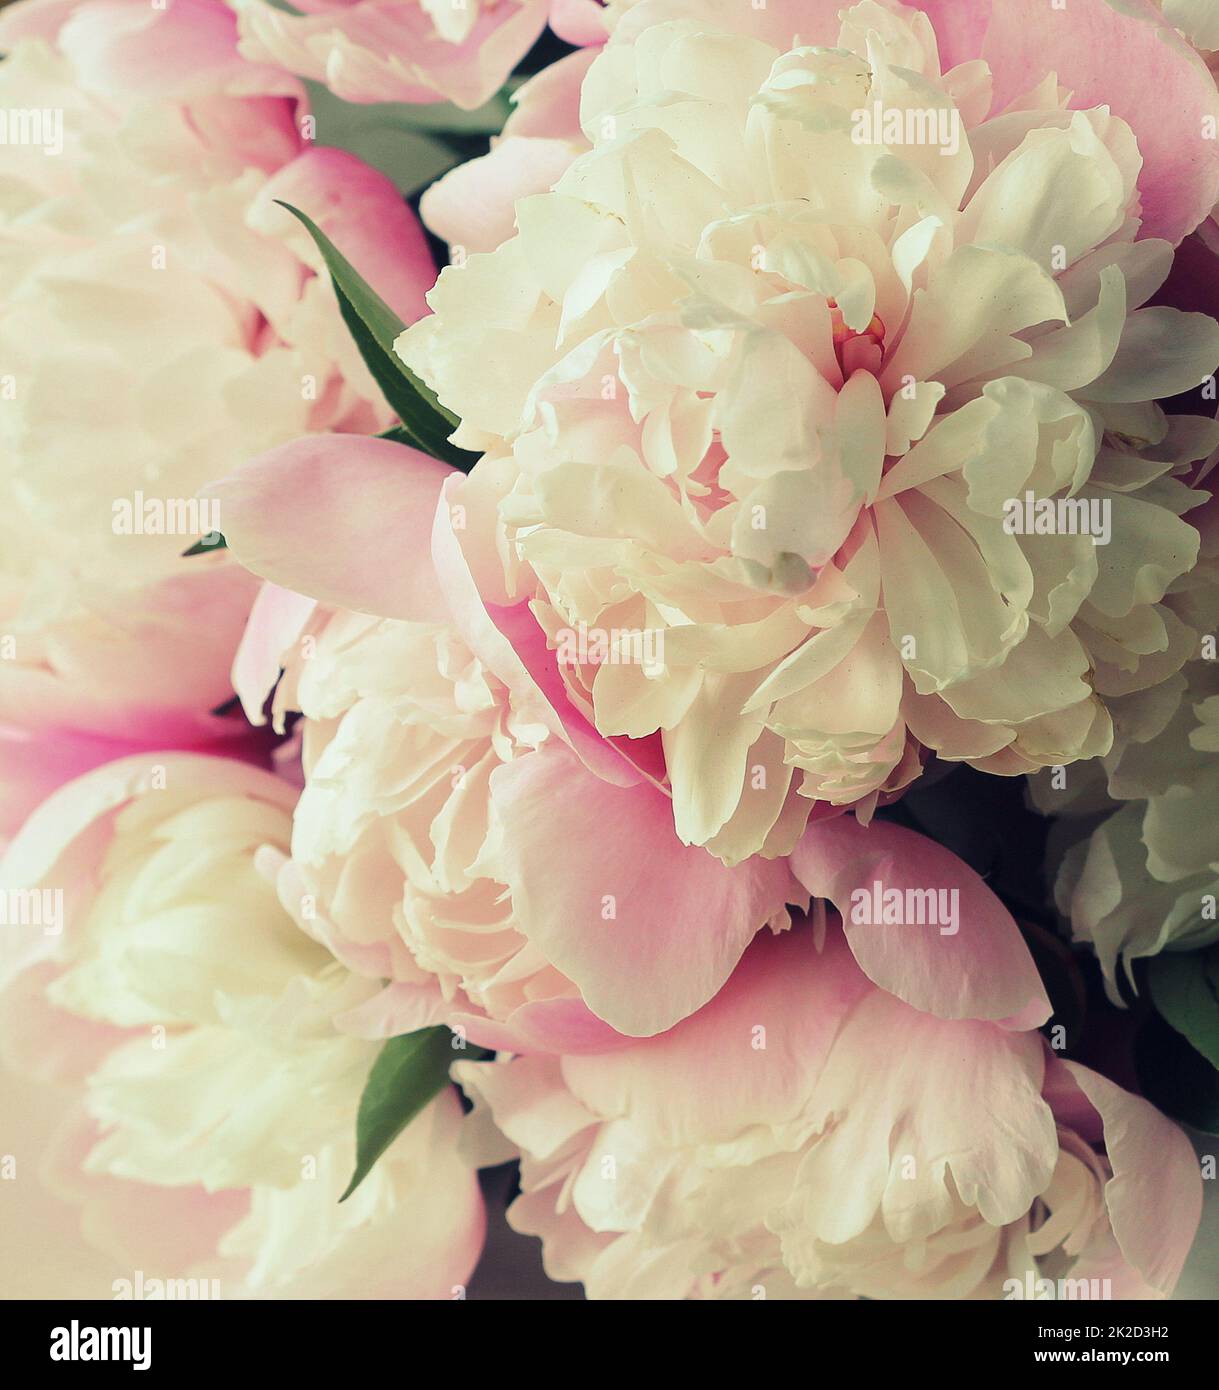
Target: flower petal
(1125, 58)
(342, 518)
(647, 927)
(981, 970)
(1155, 1194)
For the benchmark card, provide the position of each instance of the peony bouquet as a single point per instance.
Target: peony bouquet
(609, 649)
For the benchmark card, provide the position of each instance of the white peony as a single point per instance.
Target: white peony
(215, 1127)
(765, 376)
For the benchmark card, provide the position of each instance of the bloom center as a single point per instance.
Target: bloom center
(854, 349)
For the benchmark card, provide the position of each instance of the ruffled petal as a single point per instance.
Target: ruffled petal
(966, 959)
(647, 927)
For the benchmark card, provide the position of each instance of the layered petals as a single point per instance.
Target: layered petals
(401, 50)
(212, 1126)
(780, 1144)
(825, 373)
(158, 300)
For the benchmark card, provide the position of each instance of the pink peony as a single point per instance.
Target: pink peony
(209, 1098)
(465, 832)
(162, 321)
(806, 1135)
(468, 838)
(409, 50)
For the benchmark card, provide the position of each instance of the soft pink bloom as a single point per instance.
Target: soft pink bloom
(1113, 56)
(128, 50)
(159, 301)
(448, 778)
(806, 1135)
(406, 50)
(448, 773)
(1121, 54)
(209, 1109)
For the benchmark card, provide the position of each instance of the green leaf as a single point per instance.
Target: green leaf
(1185, 989)
(206, 544)
(409, 1071)
(397, 435)
(342, 123)
(425, 423)
(1176, 1077)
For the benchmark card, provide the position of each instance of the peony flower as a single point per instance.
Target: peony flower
(483, 850)
(410, 50)
(159, 302)
(784, 373)
(466, 834)
(806, 1135)
(1146, 879)
(211, 1128)
(1137, 871)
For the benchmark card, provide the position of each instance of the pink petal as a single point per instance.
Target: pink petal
(128, 47)
(32, 766)
(390, 50)
(474, 205)
(42, 1042)
(578, 21)
(648, 928)
(510, 642)
(342, 518)
(36, 19)
(362, 212)
(548, 105)
(144, 1227)
(1155, 1194)
(960, 28)
(781, 23)
(618, 760)
(982, 971)
(1125, 57)
(986, 1135)
(782, 985)
(276, 622)
(563, 1026)
(45, 1254)
(147, 673)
